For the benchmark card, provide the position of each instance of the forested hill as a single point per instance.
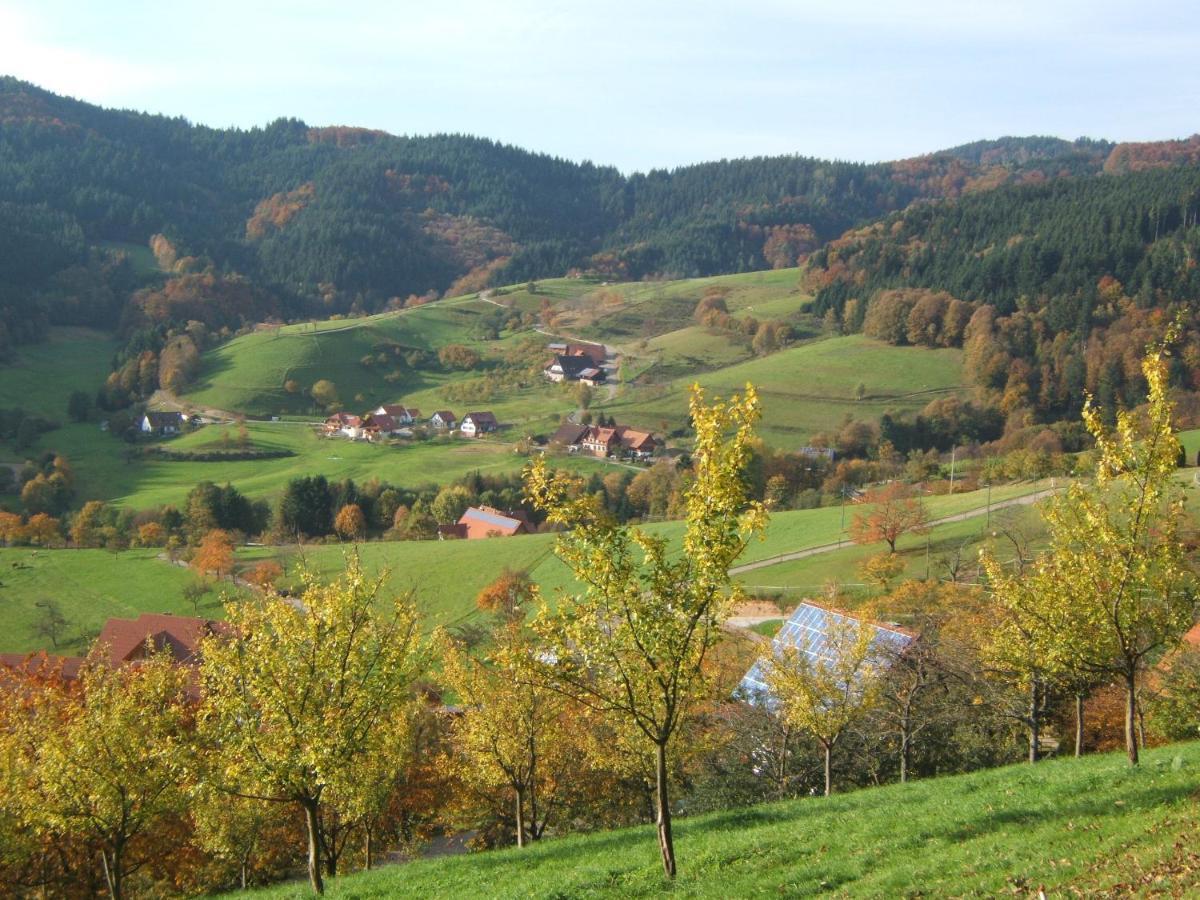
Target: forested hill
(291, 220)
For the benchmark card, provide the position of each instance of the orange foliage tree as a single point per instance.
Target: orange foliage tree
(894, 512)
(215, 554)
(507, 595)
(350, 522)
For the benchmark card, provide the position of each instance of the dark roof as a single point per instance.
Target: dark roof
(164, 419)
(572, 366)
(481, 418)
(569, 434)
(444, 414)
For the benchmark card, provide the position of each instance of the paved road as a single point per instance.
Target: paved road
(1024, 500)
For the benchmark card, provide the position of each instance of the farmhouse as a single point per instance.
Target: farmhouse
(574, 368)
(162, 423)
(596, 353)
(345, 424)
(486, 521)
(477, 423)
(443, 420)
(402, 414)
(376, 427)
(606, 440)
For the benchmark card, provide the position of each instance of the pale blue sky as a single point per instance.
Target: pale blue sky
(636, 84)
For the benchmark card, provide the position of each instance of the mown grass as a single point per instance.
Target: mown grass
(1068, 826)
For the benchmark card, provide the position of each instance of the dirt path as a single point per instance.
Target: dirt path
(1024, 500)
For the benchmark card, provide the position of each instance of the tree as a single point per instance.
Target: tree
(306, 507)
(265, 574)
(151, 534)
(214, 556)
(894, 513)
(50, 622)
(450, 503)
(324, 392)
(304, 699)
(881, 569)
(508, 596)
(114, 756)
(513, 734)
(1124, 591)
(350, 522)
(86, 528)
(825, 694)
(79, 406)
(634, 642)
(43, 530)
(458, 356)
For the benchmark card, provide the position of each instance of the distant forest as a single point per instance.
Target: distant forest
(323, 220)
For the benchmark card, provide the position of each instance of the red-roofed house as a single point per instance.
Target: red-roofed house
(125, 639)
(485, 521)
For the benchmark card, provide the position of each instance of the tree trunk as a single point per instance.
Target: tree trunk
(828, 769)
(112, 874)
(1131, 741)
(1079, 724)
(368, 849)
(314, 845)
(1035, 723)
(520, 810)
(905, 745)
(663, 811)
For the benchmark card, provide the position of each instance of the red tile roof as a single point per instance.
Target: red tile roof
(125, 639)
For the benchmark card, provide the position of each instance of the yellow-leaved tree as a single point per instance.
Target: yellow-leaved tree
(1122, 588)
(112, 759)
(307, 699)
(633, 642)
(513, 735)
(823, 693)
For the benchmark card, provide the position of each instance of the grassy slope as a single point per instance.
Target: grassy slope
(1066, 824)
(89, 586)
(811, 386)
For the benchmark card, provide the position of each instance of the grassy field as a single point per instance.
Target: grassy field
(444, 576)
(44, 375)
(89, 586)
(811, 387)
(1072, 827)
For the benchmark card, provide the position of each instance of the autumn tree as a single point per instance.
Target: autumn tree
(113, 758)
(214, 556)
(350, 522)
(50, 623)
(1124, 589)
(265, 575)
(508, 596)
(304, 699)
(634, 641)
(824, 693)
(894, 513)
(325, 393)
(513, 735)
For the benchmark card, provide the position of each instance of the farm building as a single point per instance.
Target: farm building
(345, 424)
(402, 414)
(443, 420)
(616, 440)
(162, 423)
(477, 423)
(574, 368)
(486, 521)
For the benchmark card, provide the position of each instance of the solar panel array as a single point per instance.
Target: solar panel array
(806, 629)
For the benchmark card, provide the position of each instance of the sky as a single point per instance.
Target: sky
(638, 85)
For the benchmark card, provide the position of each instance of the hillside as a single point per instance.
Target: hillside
(321, 220)
(1114, 830)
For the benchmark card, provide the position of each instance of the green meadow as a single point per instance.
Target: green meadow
(1114, 831)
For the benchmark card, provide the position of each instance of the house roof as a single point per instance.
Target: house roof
(382, 423)
(42, 664)
(445, 415)
(344, 419)
(179, 634)
(569, 434)
(164, 419)
(572, 366)
(634, 439)
(481, 418)
(398, 410)
(806, 629)
(505, 524)
(597, 353)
